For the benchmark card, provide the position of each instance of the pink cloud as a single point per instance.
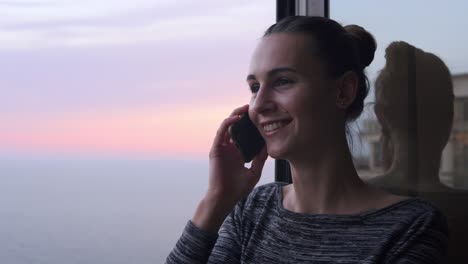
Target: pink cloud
(172, 130)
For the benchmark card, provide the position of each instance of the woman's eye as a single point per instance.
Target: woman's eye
(254, 87)
(283, 81)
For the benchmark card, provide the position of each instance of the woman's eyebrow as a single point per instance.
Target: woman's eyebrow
(273, 72)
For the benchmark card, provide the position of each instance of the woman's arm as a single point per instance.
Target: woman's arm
(199, 246)
(194, 246)
(229, 182)
(200, 234)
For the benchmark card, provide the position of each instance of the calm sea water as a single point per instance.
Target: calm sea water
(82, 211)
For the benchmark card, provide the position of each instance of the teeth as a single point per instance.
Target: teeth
(273, 126)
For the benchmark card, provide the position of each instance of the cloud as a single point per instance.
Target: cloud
(169, 129)
(23, 3)
(91, 23)
(112, 78)
(118, 76)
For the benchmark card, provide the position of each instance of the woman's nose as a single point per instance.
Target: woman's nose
(262, 101)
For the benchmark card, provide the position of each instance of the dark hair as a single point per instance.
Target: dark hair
(342, 49)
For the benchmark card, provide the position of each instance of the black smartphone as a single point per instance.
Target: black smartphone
(246, 137)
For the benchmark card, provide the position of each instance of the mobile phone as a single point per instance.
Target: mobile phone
(246, 137)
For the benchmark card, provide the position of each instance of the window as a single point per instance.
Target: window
(465, 110)
(108, 110)
(416, 26)
(413, 82)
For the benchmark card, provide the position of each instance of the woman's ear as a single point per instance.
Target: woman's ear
(347, 89)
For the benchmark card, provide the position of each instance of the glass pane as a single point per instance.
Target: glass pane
(414, 132)
(108, 110)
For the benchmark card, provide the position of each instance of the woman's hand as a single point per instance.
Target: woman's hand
(229, 179)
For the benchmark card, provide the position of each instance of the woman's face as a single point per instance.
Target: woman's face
(293, 101)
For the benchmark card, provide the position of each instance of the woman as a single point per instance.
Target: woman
(307, 83)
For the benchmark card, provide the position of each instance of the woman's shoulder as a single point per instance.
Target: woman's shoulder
(268, 189)
(426, 211)
(412, 211)
(423, 228)
(405, 207)
(265, 194)
(262, 200)
(410, 206)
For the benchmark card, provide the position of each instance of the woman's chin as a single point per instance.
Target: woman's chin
(276, 153)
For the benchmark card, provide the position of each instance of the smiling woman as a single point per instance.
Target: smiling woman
(307, 82)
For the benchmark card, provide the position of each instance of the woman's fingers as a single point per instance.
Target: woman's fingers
(227, 137)
(223, 136)
(222, 130)
(240, 110)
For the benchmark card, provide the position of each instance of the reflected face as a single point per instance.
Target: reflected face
(293, 99)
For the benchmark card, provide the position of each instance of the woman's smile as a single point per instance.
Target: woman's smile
(270, 128)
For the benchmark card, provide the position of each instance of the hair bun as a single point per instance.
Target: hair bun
(366, 43)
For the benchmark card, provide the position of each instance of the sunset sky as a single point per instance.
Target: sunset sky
(118, 77)
(155, 78)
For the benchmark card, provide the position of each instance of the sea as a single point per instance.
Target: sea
(97, 210)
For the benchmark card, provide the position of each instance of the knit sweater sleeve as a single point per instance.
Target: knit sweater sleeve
(196, 246)
(425, 242)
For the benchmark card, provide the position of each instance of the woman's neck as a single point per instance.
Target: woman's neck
(325, 182)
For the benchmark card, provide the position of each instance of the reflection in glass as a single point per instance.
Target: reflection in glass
(415, 108)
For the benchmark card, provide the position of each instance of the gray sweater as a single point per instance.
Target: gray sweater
(260, 230)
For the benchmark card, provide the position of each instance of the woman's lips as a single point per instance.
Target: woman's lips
(272, 127)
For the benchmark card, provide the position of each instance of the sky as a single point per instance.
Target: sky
(116, 77)
(155, 78)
